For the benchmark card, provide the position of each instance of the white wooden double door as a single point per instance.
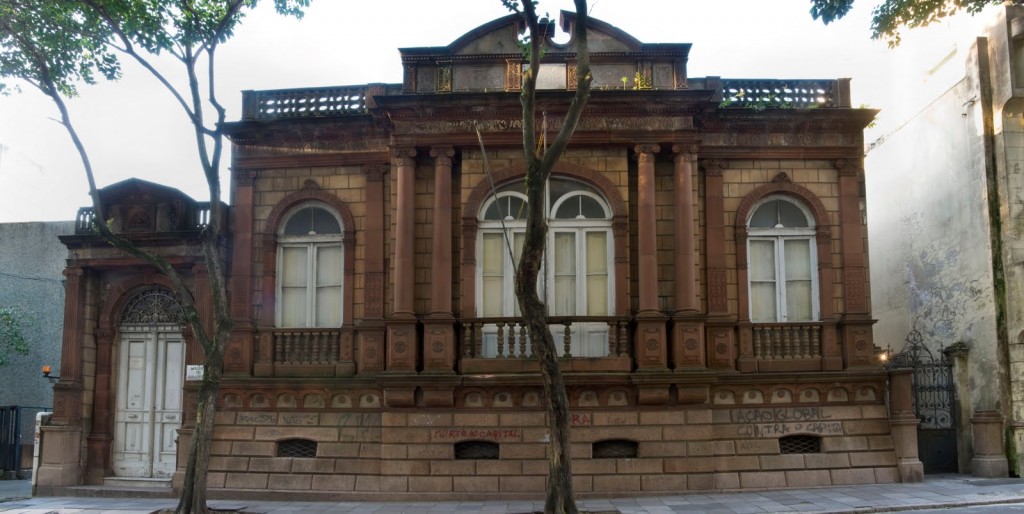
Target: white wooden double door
(151, 364)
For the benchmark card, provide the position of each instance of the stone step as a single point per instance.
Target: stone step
(137, 483)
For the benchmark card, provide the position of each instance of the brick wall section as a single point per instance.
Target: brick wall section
(412, 453)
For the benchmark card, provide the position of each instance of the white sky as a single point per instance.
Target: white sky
(133, 128)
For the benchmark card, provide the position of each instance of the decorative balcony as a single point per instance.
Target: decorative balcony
(787, 341)
(584, 343)
(314, 352)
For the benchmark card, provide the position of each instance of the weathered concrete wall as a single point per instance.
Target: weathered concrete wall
(929, 233)
(31, 266)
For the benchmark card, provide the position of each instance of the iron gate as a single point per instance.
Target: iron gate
(934, 403)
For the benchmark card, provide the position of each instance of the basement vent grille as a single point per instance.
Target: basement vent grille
(301, 448)
(615, 449)
(476, 450)
(799, 444)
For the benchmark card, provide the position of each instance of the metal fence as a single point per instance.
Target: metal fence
(13, 435)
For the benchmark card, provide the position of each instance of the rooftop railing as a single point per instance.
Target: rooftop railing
(353, 100)
(86, 216)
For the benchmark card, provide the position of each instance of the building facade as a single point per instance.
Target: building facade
(706, 276)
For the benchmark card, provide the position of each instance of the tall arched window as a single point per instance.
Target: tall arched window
(576, 279)
(782, 262)
(310, 267)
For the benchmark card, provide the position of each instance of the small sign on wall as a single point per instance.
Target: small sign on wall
(194, 372)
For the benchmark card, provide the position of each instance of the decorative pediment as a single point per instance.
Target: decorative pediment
(489, 58)
(140, 206)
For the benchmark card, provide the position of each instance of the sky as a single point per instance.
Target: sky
(133, 128)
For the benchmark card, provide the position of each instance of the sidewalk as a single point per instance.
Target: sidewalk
(940, 491)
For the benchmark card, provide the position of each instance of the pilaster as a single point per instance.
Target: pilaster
(439, 327)
(651, 350)
(238, 358)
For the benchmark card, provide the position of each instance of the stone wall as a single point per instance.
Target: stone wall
(411, 453)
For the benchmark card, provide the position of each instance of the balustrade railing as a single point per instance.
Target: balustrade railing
(87, 215)
(506, 338)
(304, 103)
(310, 346)
(782, 93)
(787, 341)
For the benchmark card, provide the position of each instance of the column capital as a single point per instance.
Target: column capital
(645, 152)
(243, 176)
(847, 167)
(687, 152)
(404, 156)
(442, 153)
(375, 172)
(713, 166)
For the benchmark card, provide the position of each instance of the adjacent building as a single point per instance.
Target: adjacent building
(706, 276)
(945, 188)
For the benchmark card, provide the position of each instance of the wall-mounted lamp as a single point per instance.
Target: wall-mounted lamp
(46, 374)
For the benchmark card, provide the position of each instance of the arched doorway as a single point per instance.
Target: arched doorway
(150, 374)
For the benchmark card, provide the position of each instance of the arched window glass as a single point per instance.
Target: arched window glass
(782, 264)
(310, 268)
(577, 277)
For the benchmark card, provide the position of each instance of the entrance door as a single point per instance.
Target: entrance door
(151, 368)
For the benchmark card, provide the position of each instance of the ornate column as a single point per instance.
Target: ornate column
(439, 327)
(687, 330)
(858, 344)
(651, 352)
(721, 337)
(370, 357)
(238, 358)
(401, 327)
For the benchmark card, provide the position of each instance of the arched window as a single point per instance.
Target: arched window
(310, 267)
(576, 279)
(782, 262)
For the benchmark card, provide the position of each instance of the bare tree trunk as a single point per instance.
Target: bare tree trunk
(539, 163)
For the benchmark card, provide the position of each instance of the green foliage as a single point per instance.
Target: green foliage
(13, 323)
(888, 17)
(53, 46)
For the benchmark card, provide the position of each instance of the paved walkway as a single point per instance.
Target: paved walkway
(943, 491)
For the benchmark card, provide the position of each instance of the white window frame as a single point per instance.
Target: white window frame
(312, 243)
(580, 227)
(779, 236)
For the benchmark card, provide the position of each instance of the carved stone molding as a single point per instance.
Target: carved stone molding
(444, 77)
(513, 75)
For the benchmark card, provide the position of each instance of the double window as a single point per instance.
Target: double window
(781, 262)
(576, 278)
(310, 268)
